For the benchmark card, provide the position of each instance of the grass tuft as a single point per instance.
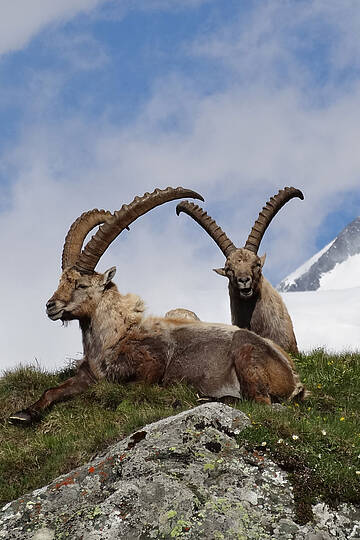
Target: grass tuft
(317, 441)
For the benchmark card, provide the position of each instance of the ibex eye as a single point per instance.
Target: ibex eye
(80, 286)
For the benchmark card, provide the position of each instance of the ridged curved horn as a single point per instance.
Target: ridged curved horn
(266, 215)
(77, 233)
(208, 224)
(122, 218)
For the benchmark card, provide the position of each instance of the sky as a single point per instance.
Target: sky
(103, 100)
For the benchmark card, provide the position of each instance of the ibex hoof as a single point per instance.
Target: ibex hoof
(23, 418)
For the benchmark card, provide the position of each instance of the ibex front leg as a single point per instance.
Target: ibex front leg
(70, 388)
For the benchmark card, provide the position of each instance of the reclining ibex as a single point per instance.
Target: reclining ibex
(254, 303)
(120, 344)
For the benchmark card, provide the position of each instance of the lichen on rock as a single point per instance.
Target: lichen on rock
(182, 477)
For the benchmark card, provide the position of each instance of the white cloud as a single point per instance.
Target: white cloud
(172, 5)
(344, 20)
(21, 20)
(119, 9)
(81, 51)
(279, 42)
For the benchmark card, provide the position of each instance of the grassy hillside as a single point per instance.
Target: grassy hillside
(317, 441)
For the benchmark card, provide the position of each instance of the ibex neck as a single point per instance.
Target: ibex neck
(85, 326)
(241, 310)
(111, 319)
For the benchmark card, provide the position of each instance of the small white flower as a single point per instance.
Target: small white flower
(323, 431)
(263, 443)
(280, 441)
(295, 437)
(357, 472)
(319, 456)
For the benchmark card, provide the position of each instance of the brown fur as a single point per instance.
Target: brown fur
(181, 313)
(262, 373)
(263, 310)
(120, 344)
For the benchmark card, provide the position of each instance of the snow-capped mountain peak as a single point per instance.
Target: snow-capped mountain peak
(336, 266)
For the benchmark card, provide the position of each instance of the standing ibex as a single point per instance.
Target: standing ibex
(120, 344)
(254, 303)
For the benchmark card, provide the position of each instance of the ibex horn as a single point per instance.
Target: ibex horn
(208, 224)
(121, 219)
(77, 233)
(266, 215)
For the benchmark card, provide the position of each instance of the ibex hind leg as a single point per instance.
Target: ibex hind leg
(68, 389)
(252, 377)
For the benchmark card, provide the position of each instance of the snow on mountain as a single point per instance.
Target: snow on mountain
(292, 278)
(343, 275)
(336, 266)
(328, 319)
(326, 313)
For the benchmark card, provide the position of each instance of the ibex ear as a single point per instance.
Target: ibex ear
(108, 275)
(220, 271)
(262, 260)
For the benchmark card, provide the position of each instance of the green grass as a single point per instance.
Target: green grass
(316, 441)
(72, 432)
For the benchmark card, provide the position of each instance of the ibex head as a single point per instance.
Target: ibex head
(77, 294)
(243, 266)
(243, 270)
(80, 287)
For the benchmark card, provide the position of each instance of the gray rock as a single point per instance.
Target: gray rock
(184, 476)
(318, 536)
